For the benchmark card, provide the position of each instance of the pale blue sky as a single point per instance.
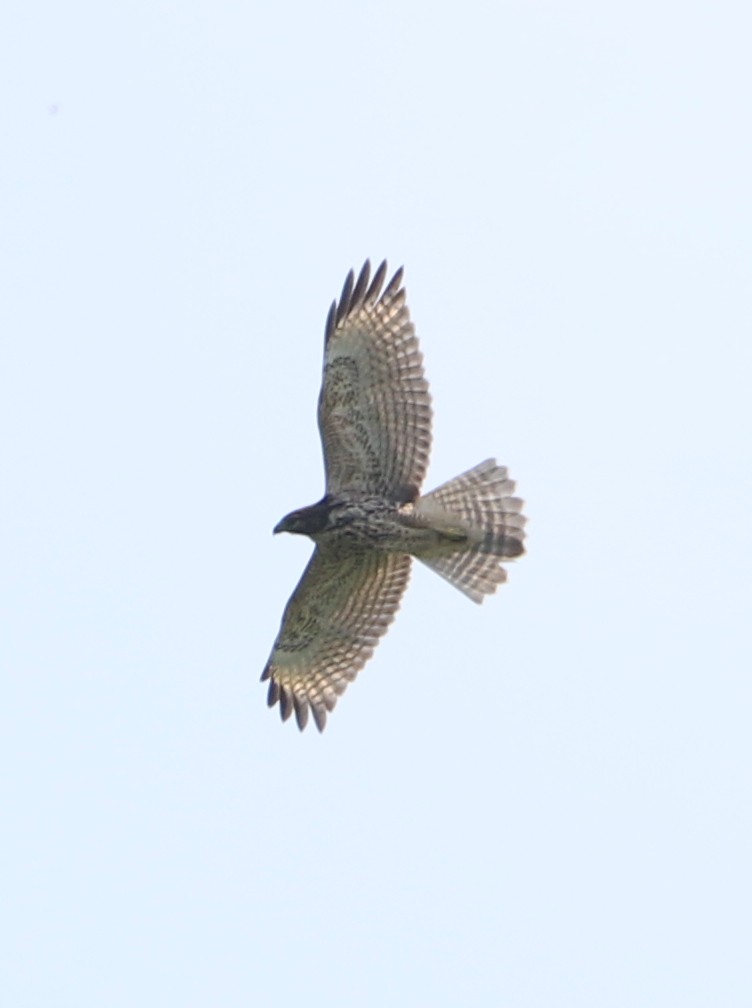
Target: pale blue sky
(543, 801)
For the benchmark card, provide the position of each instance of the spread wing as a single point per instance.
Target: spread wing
(341, 607)
(374, 406)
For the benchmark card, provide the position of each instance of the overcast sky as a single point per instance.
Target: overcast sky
(542, 801)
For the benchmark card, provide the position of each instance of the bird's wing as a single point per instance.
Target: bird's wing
(374, 406)
(342, 605)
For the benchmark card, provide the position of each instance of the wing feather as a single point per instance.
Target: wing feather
(342, 605)
(374, 407)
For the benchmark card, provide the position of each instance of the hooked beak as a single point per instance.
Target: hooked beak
(283, 525)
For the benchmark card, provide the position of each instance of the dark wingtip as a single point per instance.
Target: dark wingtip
(361, 286)
(301, 711)
(272, 696)
(344, 299)
(395, 283)
(376, 284)
(285, 702)
(331, 321)
(364, 290)
(319, 715)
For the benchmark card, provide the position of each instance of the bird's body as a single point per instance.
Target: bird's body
(375, 422)
(368, 522)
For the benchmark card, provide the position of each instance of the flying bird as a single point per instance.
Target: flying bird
(374, 416)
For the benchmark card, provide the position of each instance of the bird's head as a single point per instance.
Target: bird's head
(306, 521)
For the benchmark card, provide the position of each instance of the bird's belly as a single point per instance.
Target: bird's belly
(393, 535)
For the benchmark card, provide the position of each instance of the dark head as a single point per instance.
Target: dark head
(307, 521)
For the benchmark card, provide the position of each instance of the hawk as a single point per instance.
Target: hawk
(374, 416)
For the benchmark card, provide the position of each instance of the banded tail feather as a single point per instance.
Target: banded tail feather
(478, 510)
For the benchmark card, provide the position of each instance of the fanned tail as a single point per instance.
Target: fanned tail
(481, 521)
